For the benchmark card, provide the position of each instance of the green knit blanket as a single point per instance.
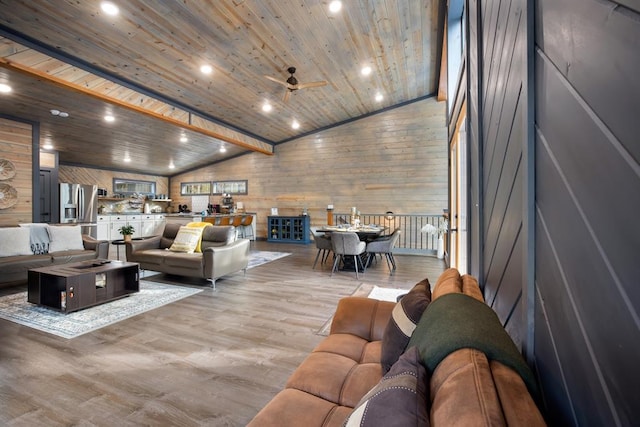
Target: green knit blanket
(456, 321)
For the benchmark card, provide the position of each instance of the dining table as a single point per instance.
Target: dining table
(366, 233)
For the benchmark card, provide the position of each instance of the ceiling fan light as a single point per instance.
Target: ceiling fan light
(366, 70)
(266, 107)
(206, 69)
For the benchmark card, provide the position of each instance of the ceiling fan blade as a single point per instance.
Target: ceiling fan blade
(287, 94)
(312, 84)
(278, 81)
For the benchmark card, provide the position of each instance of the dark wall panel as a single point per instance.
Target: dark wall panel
(589, 402)
(502, 124)
(555, 397)
(603, 180)
(596, 46)
(576, 187)
(474, 72)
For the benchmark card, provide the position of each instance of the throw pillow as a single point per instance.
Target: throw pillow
(404, 318)
(14, 241)
(65, 238)
(186, 240)
(201, 225)
(399, 399)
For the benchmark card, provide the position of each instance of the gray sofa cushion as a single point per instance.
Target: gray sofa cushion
(220, 235)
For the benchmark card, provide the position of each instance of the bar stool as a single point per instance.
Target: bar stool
(247, 228)
(225, 220)
(237, 223)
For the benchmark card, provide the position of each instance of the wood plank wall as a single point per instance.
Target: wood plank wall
(16, 146)
(104, 178)
(587, 176)
(587, 204)
(392, 161)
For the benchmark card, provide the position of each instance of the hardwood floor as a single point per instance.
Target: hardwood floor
(212, 359)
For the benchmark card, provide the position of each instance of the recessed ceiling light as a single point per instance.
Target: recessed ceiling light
(295, 124)
(5, 88)
(183, 138)
(206, 69)
(172, 166)
(335, 6)
(109, 8)
(223, 150)
(366, 70)
(127, 159)
(266, 107)
(47, 146)
(109, 118)
(379, 97)
(59, 113)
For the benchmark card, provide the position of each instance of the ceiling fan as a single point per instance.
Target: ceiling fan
(292, 83)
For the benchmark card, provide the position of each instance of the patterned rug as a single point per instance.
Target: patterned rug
(257, 258)
(152, 295)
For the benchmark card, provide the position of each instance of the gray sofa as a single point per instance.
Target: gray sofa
(14, 269)
(222, 253)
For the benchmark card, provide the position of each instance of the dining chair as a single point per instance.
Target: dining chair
(384, 246)
(323, 243)
(344, 244)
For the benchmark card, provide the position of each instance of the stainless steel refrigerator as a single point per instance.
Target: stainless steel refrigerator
(79, 205)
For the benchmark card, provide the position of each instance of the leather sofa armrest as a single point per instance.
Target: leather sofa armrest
(366, 318)
(101, 247)
(222, 260)
(140, 245)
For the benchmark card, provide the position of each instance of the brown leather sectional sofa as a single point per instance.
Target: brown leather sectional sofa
(345, 371)
(222, 253)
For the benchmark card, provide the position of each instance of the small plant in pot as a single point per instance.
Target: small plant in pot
(126, 231)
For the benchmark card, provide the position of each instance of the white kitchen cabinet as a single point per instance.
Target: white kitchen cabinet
(148, 226)
(136, 222)
(117, 221)
(104, 224)
(159, 223)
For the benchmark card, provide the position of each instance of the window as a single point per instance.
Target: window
(130, 186)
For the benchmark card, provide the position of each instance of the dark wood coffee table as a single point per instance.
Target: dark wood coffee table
(74, 286)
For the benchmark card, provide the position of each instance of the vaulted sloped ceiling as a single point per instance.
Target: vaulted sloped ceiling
(143, 65)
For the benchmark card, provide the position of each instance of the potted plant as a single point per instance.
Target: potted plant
(126, 231)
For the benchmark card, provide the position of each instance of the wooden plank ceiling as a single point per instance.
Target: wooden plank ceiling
(143, 66)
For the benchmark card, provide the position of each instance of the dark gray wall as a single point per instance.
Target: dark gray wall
(587, 203)
(587, 195)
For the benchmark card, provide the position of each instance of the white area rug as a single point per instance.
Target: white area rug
(152, 295)
(386, 294)
(257, 258)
